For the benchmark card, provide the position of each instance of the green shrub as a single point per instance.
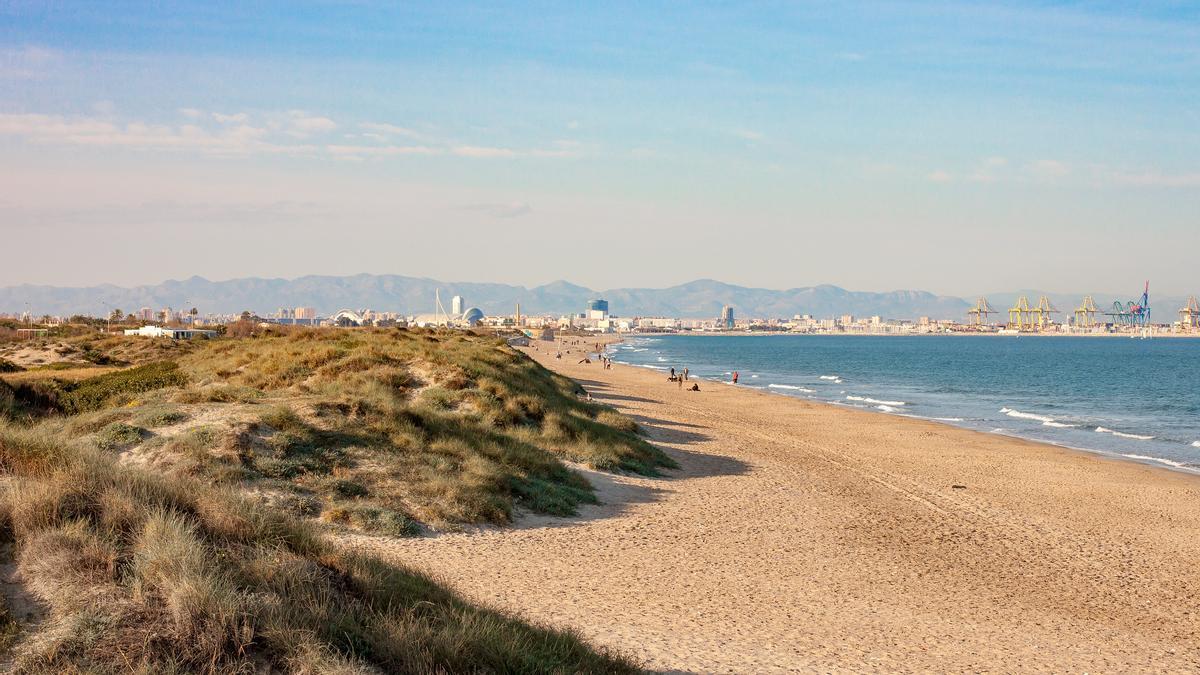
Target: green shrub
(119, 434)
(160, 417)
(96, 392)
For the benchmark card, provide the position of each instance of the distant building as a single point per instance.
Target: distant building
(472, 316)
(173, 333)
(456, 305)
(597, 309)
(309, 313)
(726, 319)
(145, 314)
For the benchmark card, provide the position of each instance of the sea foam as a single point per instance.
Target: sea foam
(788, 386)
(1044, 419)
(875, 401)
(1103, 430)
(1156, 459)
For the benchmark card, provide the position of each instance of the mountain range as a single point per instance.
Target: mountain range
(411, 295)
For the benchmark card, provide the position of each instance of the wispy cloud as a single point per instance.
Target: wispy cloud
(1048, 169)
(30, 62)
(749, 135)
(385, 130)
(503, 211)
(1155, 179)
(482, 151)
(239, 118)
(362, 151)
(940, 176)
(290, 133)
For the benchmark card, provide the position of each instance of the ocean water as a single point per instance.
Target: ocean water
(1137, 399)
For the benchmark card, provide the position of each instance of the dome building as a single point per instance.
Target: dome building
(472, 316)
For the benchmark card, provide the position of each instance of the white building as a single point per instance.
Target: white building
(173, 333)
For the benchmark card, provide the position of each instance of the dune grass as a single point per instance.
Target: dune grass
(148, 573)
(173, 514)
(440, 427)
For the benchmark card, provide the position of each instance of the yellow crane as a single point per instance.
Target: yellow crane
(1040, 316)
(979, 313)
(1190, 316)
(1020, 316)
(1085, 314)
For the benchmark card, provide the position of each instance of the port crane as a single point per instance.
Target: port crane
(979, 313)
(1189, 316)
(1085, 313)
(1041, 316)
(1134, 313)
(1020, 315)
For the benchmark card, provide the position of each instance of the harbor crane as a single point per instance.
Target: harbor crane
(1085, 313)
(1135, 313)
(1042, 314)
(1189, 316)
(979, 313)
(1020, 316)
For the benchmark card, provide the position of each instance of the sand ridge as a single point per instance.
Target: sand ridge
(801, 536)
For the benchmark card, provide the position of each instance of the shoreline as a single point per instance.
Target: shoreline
(801, 535)
(1144, 459)
(1153, 462)
(757, 333)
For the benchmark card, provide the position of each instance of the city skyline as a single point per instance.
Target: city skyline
(955, 148)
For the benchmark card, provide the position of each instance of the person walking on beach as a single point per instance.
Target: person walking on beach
(680, 381)
(735, 375)
(685, 372)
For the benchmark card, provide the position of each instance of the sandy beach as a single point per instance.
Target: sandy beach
(800, 536)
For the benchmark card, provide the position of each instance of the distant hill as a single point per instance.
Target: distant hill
(410, 295)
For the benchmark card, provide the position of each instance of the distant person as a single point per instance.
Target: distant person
(672, 372)
(695, 387)
(685, 373)
(735, 376)
(680, 381)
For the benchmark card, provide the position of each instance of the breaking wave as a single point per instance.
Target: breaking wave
(875, 401)
(1138, 437)
(788, 386)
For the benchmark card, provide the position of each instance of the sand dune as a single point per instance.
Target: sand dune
(803, 536)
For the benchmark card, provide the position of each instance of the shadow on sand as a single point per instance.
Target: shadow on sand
(618, 492)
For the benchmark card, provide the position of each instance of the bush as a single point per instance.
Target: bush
(95, 392)
(119, 434)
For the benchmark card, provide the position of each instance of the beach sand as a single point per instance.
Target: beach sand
(806, 536)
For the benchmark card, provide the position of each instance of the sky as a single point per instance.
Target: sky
(950, 147)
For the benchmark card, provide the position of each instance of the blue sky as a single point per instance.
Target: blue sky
(954, 147)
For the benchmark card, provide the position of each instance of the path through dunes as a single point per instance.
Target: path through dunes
(807, 536)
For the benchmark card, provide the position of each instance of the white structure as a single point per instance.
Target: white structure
(173, 333)
(456, 305)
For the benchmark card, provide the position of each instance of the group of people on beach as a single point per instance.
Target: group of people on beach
(681, 377)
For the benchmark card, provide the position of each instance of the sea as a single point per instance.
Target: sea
(1129, 398)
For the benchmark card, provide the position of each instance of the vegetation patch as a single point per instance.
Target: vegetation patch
(119, 435)
(143, 572)
(97, 392)
(160, 417)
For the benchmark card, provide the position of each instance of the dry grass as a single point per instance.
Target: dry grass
(441, 428)
(146, 573)
(171, 514)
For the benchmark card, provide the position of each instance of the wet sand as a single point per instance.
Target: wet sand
(806, 536)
